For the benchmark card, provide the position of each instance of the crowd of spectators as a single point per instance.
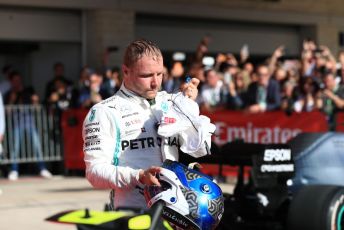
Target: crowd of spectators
(60, 92)
(312, 81)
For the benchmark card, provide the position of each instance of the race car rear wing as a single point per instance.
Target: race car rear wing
(271, 164)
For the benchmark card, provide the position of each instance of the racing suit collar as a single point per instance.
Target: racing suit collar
(134, 97)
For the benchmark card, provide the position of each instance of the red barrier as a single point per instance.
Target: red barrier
(71, 123)
(228, 171)
(340, 122)
(273, 127)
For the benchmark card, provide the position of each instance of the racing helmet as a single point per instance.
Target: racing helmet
(192, 200)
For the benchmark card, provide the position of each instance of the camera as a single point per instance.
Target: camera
(318, 50)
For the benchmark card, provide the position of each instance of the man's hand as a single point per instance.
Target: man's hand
(190, 89)
(231, 89)
(35, 99)
(147, 177)
(329, 93)
(255, 109)
(279, 52)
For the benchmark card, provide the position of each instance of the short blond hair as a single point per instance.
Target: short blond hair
(138, 48)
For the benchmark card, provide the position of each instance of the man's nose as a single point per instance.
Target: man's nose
(154, 81)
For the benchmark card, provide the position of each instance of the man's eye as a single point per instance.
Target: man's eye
(145, 75)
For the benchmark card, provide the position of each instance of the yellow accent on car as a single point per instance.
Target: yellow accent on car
(144, 222)
(167, 225)
(96, 217)
(139, 222)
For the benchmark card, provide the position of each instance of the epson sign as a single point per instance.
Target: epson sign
(277, 155)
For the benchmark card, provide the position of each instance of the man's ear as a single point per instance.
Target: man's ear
(125, 70)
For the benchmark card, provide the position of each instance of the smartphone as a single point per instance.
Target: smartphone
(318, 50)
(245, 50)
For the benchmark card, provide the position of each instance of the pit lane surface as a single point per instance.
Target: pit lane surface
(24, 204)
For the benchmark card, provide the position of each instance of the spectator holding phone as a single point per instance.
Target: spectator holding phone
(332, 98)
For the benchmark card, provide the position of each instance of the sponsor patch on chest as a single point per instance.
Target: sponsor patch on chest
(148, 142)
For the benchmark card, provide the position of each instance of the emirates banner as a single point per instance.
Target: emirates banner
(265, 128)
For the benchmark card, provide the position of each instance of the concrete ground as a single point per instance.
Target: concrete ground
(24, 204)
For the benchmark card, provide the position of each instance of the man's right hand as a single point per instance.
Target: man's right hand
(147, 177)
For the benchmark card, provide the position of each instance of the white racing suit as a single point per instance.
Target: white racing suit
(120, 138)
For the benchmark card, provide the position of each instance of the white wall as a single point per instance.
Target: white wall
(58, 34)
(184, 35)
(19, 63)
(42, 62)
(40, 25)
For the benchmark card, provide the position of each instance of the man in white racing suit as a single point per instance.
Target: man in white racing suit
(121, 143)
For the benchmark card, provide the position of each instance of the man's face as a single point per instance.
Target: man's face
(95, 81)
(145, 76)
(16, 82)
(341, 58)
(329, 82)
(212, 79)
(59, 70)
(263, 76)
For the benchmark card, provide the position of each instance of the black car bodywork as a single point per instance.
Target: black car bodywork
(294, 186)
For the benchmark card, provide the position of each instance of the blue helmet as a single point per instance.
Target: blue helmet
(192, 199)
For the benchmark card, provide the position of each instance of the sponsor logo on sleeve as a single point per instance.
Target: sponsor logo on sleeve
(92, 130)
(91, 137)
(92, 115)
(92, 124)
(92, 149)
(92, 143)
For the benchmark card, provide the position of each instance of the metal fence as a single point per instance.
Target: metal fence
(32, 134)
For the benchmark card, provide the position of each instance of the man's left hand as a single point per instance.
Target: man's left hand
(190, 89)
